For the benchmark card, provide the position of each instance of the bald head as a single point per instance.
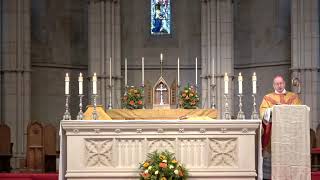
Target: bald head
(279, 84)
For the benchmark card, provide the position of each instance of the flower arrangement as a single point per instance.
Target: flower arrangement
(133, 98)
(188, 98)
(162, 166)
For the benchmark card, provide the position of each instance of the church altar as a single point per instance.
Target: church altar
(113, 149)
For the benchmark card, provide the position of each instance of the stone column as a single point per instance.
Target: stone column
(104, 43)
(15, 70)
(217, 51)
(305, 54)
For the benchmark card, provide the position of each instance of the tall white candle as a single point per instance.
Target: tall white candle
(226, 81)
(126, 72)
(66, 80)
(240, 79)
(161, 57)
(94, 83)
(213, 71)
(142, 63)
(80, 79)
(178, 71)
(254, 83)
(110, 76)
(196, 71)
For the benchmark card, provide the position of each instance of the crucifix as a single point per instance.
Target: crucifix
(161, 89)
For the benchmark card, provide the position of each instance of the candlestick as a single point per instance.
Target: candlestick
(240, 79)
(240, 113)
(80, 113)
(126, 72)
(178, 71)
(254, 114)
(226, 81)
(67, 115)
(67, 80)
(254, 83)
(94, 112)
(142, 63)
(110, 76)
(226, 106)
(196, 72)
(110, 84)
(94, 83)
(80, 79)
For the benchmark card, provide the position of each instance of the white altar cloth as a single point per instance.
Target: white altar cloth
(109, 149)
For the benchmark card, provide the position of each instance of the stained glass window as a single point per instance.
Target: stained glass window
(160, 17)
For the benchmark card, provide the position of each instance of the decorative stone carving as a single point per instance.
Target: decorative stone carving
(223, 152)
(98, 152)
(202, 130)
(161, 145)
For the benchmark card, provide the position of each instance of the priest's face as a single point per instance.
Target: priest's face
(279, 84)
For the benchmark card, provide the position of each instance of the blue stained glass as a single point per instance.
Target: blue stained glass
(160, 17)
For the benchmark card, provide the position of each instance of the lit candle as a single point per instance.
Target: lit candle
(226, 81)
(94, 84)
(80, 79)
(142, 62)
(110, 76)
(254, 83)
(178, 71)
(126, 72)
(161, 57)
(196, 71)
(240, 79)
(67, 80)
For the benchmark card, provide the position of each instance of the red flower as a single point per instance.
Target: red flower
(163, 165)
(145, 175)
(139, 102)
(131, 103)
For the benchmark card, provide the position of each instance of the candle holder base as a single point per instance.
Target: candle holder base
(227, 114)
(110, 96)
(240, 113)
(80, 114)
(143, 97)
(255, 114)
(94, 113)
(67, 115)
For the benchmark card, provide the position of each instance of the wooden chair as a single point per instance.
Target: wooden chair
(5, 148)
(50, 153)
(35, 147)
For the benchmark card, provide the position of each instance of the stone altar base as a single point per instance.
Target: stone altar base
(112, 149)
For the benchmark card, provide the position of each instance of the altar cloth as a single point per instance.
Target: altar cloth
(127, 114)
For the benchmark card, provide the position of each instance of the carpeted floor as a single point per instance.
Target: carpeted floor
(26, 176)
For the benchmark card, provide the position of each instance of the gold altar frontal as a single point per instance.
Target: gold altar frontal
(149, 114)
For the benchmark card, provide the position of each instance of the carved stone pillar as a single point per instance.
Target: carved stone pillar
(216, 50)
(305, 54)
(15, 70)
(104, 42)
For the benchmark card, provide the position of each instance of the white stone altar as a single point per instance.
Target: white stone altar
(112, 149)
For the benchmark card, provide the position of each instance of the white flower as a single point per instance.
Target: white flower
(150, 167)
(146, 171)
(165, 161)
(157, 172)
(176, 171)
(171, 167)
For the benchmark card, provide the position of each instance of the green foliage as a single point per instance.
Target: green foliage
(133, 99)
(162, 166)
(188, 98)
